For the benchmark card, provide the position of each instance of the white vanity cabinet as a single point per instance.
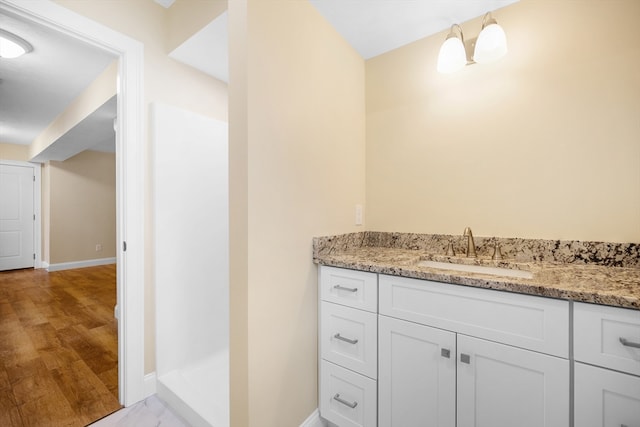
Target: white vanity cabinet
(607, 368)
(402, 352)
(348, 342)
(452, 355)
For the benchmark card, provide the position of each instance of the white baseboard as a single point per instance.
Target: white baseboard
(44, 265)
(79, 264)
(314, 420)
(149, 384)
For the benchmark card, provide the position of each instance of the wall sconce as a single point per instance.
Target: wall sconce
(12, 46)
(490, 45)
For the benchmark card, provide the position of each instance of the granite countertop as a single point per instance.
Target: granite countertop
(583, 282)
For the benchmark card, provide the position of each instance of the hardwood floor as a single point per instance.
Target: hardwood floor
(58, 347)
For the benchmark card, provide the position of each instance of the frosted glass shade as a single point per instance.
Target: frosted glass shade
(452, 56)
(491, 44)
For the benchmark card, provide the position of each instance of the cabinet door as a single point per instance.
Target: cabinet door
(504, 386)
(605, 398)
(416, 375)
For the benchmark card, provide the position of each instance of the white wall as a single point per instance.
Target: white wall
(190, 167)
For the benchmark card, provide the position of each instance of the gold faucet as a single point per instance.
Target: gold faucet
(471, 246)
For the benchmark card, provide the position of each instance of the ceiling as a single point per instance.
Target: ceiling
(374, 27)
(36, 88)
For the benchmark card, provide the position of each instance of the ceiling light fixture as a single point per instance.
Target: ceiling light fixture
(490, 45)
(12, 46)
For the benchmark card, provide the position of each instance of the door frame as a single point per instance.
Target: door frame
(130, 172)
(37, 206)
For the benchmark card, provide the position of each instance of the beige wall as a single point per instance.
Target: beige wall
(543, 144)
(167, 81)
(82, 210)
(297, 170)
(14, 152)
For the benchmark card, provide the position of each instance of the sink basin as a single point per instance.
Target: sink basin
(483, 269)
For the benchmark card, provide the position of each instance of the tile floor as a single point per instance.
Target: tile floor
(152, 412)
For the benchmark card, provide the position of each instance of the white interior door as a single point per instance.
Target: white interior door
(16, 217)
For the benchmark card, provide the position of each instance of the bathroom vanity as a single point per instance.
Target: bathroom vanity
(405, 344)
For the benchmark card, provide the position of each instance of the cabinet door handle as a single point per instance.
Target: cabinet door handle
(445, 352)
(344, 402)
(344, 288)
(341, 338)
(623, 425)
(465, 358)
(628, 343)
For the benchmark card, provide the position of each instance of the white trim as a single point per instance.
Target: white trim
(150, 384)
(130, 171)
(80, 264)
(45, 265)
(37, 206)
(314, 420)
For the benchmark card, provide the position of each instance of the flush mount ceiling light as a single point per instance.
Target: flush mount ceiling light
(12, 46)
(490, 45)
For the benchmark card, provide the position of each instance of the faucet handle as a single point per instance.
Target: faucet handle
(497, 253)
(450, 251)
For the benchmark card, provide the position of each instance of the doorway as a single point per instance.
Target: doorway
(19, 215)
(129, 180)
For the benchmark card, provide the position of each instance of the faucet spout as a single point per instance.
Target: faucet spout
(471, 246)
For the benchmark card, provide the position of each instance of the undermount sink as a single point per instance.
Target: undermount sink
(482, 269)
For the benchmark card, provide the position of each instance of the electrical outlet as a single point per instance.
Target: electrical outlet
(98, 247)
(358, 214)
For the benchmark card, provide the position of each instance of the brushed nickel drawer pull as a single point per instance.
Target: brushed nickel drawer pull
(344, 402)
(445, 352)
(628, 343)
(465, 358)
(344, 288)
(341, 338)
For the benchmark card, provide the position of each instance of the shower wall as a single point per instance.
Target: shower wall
(190, 169)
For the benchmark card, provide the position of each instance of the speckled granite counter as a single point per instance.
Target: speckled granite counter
(593, 272)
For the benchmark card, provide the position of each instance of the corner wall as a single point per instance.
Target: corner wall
(542, 144)
(297, 135)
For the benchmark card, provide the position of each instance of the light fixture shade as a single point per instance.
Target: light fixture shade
(452, 56)
(491, 44)
(12, 46)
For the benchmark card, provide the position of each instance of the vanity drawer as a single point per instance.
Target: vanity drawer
(607, 336)
(349, 337)
(605, 398)
(358, 289)
(347, 399)
(530, 322)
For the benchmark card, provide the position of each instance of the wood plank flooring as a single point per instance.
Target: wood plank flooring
(58, 347)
